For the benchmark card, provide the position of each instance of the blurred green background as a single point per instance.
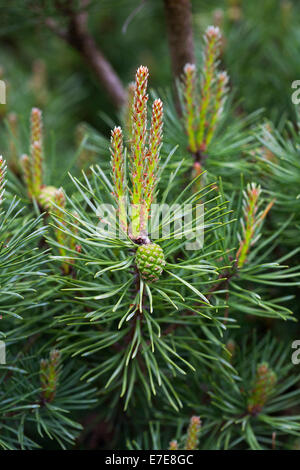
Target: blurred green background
(260, 52)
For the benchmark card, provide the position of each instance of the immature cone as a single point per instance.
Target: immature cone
(193, 433)
(264, 383)
(231, 348)
(150, 261)
(251, 221)
(190, 95)
(36, 150)
(173, 445)
(47, 196)
(49, 375)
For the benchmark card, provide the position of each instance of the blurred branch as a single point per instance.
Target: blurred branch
(132, 15)
(180, 35)
(77, 35)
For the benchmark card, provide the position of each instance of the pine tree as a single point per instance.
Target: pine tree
(148, 295)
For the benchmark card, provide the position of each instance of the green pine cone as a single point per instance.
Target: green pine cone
(150, 261)
(47, 196)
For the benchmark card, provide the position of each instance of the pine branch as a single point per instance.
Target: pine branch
(180, 37)
(78, 36)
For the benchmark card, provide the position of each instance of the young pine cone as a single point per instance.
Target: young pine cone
(150, 261)
(47, 196)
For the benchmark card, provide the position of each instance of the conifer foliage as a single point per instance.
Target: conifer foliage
(148, 301)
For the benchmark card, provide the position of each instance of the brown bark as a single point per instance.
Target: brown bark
(180, 34)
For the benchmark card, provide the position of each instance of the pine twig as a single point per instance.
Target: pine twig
(78, 36)
(180, 37)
